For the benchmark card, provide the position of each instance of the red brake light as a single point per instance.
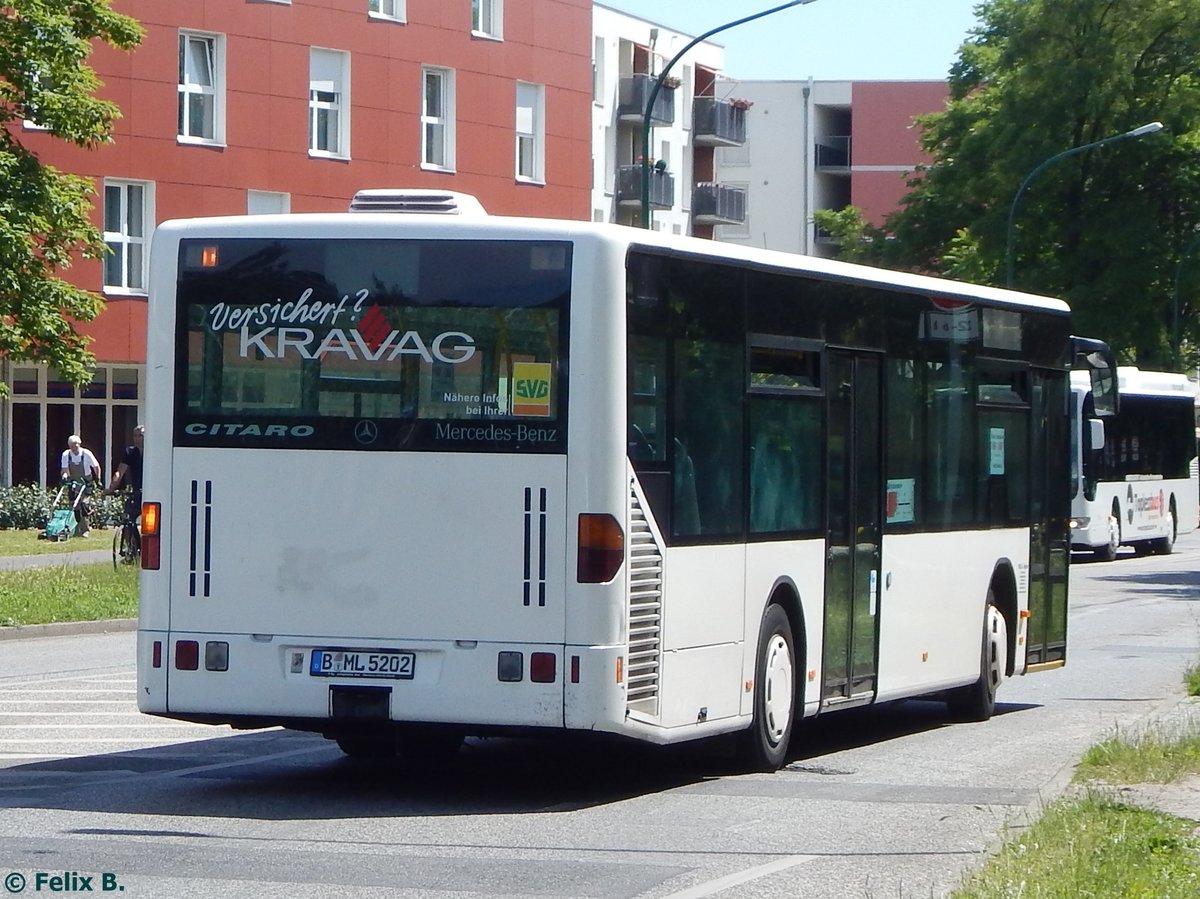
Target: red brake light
(601, 548)
(187, 655)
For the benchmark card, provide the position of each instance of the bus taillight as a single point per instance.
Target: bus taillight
(150, 536)
(601, 548)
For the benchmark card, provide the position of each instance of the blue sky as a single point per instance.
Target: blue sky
(825, 39)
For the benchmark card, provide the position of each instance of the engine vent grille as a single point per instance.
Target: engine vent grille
(645, 612)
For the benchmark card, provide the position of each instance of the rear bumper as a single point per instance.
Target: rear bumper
(268, 683)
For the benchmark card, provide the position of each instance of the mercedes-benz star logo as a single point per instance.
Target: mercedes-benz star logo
(365, 432)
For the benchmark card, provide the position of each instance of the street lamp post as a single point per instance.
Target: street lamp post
(1012, 210)
(657, 86)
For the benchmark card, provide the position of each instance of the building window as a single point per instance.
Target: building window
(45, 409)
(487, 18)
(201, 88)
(598, 70)
(531, 132)
(388, 9)
(437, 119)
(329, 103)
(128, 219)
(267, 202)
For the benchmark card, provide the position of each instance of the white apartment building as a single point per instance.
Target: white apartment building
(690, 118)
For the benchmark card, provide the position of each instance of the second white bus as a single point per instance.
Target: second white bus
(1135, 476)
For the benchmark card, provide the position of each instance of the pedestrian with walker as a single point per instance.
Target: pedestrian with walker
(79, 465)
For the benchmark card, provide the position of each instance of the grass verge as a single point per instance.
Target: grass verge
(68, 593)
(1092, 844)
(1097, 847)
(26, 543)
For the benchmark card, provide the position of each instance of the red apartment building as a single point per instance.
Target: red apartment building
(236, 106)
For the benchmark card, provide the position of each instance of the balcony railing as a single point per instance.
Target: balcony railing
(833, 152)
(717, 123)
(717, 204)
(632, 94)
(629, 187)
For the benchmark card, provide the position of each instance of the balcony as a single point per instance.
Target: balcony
(632, 94)
(629, 187)
(716, 204)
(717, 123)
(833, 153)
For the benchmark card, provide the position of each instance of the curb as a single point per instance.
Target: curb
(68, 629)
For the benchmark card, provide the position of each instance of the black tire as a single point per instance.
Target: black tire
(116, 550)
(131, 543)
(977, 702)
(765, 745)
(1164, 546)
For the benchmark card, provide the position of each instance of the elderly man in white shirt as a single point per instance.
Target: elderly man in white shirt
(79, 464)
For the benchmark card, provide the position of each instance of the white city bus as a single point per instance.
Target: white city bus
(419, 476)
(1135, 478)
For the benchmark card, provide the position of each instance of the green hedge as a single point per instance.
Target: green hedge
(29, 506)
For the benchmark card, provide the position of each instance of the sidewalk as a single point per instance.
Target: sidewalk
(97, 551)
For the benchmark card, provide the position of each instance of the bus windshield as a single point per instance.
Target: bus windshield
(373, 344)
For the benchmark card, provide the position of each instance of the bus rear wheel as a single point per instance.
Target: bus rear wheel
(765, 744)
(977, 702)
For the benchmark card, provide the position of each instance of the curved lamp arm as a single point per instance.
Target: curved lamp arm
(654, 90)
(1012, 210)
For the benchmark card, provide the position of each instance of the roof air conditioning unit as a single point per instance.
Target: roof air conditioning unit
(424, 202)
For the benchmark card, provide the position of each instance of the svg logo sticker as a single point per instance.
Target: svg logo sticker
(531, 388)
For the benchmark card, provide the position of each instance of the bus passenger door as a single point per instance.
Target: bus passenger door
(1049, 526)
(853, 527)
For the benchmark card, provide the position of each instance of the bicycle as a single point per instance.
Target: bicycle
(127, 542)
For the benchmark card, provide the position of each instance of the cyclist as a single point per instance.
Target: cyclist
(129, 474)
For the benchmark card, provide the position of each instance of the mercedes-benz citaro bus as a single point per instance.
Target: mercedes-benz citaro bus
(1135, 484)
(417, 472)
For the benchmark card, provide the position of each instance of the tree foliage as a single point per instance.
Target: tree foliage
(45, 213)
(1105, 228)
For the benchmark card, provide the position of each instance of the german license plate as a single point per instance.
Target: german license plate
(362, 663)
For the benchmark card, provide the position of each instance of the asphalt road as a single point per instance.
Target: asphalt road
(887, 802)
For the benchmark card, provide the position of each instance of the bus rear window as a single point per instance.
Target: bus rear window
(373, 344)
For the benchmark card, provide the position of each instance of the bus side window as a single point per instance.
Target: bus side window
(647, 399)
(707, 427)
(785, 464)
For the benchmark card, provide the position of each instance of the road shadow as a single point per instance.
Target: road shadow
(283, 775)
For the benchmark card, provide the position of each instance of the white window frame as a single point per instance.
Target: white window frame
(530, 137)
(131, 250)
(487, 19)
(443, 124)
(390, 10)
(329, 93)
(267, 202)
(191, 91)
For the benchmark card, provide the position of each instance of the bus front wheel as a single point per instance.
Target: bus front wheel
(765, 744)
(1108, 551)
(977, 702)
(1165, 545)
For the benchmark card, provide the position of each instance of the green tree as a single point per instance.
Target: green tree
(45, 213)
(1104, 228)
